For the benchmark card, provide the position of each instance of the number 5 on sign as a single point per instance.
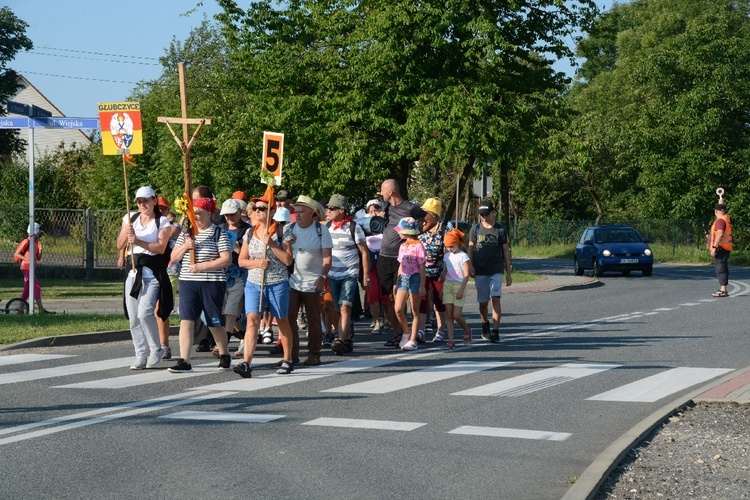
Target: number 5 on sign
(273, 155)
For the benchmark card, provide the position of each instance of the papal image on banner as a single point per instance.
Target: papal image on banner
(121, 128)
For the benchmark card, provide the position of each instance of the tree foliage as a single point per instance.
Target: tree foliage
(13, 39)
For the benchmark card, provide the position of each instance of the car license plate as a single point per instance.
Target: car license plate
(628, 261)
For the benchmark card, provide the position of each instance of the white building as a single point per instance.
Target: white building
(45, 139)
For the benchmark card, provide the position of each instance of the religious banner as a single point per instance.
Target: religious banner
(122, 132)
(273, 155)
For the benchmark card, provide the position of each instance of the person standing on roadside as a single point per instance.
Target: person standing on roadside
(146, 234)
(720, 246)
(489, 252)
(349, 249)
(396, 208)
(23, 255)
(312, 244)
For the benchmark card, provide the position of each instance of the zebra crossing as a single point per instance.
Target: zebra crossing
(649, 389)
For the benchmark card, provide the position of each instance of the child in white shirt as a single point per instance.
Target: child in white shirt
(455, 277)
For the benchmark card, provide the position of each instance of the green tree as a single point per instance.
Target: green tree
(12, 40)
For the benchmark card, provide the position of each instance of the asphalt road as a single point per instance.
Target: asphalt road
(521, 419)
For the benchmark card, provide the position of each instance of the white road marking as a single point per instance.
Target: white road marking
(535, 381)
(471, 430)
(63, 370)
(665, 309)
(415, 378)
(656, 387)
(143, 377)
(353, 423)
(16, 359)
(690, 304)
(217, 416)
(298, 375)
(192, 397)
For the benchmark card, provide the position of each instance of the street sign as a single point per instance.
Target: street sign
(37, 112)
(14, 122)
(71, 123)
(17, 108)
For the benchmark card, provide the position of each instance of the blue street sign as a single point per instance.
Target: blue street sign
(37, 112)
(17, 108)
(14, 122)
(72, 123)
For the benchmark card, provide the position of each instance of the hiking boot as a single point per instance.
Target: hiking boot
(312, 360)
(495, 336)
(486, 331)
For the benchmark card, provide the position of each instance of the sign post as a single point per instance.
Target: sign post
(36, 117)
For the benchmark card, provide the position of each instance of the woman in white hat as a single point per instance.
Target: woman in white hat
(145, 233)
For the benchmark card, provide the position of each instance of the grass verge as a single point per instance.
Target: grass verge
(61, 288)
(17, 328)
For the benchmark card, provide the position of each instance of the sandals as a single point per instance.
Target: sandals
(394, 342)
(449, 346)
(720, 293)
(467, 336)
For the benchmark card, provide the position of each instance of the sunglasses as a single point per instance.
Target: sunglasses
(260, 209)
(332, 208)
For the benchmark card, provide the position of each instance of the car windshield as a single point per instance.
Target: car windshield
(617, 236)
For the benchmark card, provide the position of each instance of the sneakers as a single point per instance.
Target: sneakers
(328, 339)
(486, 331)
(449, 346)
(409, 346)
(286, 368)
(341, 347)
(377, 329)
(155, 358)
(139, 364)
(404, 339)
(438, 336)
(420, 337)
(182, 366)
(225, 361)
(243, 370)
(495, 336)
(167, 352)
(268, 336)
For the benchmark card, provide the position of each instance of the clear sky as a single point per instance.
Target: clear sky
(89, 51)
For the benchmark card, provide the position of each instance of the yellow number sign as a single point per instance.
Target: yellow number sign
(273, 155)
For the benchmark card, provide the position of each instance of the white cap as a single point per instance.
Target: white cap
(145, 192)
(282, 214)
(231, 206)
(374, 202)
(37, 229)
(243, 204)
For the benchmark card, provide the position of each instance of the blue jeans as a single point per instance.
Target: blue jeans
(409, 283)
(342, 291)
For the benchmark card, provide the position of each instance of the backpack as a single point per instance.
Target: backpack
(167, 251)
(353, 232)
(290, 267)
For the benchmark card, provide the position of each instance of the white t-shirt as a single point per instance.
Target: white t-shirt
(308, 254)
(454, 266)
(147, 233)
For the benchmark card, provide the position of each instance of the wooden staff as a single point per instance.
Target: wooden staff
(127, 208)
(265, 250)
(458, 181)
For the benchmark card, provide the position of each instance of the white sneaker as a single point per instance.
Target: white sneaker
(140, 363)
(155, 358)
(404, 340)
(268, 336)
(410, 346)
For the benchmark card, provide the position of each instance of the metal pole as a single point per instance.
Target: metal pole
(32, 236)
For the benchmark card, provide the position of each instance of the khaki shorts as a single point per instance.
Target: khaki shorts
(234, 304)
(450, 289)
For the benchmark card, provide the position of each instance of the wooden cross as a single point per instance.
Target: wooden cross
(186, 142)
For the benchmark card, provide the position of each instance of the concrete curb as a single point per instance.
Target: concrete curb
(77, 339)
(593, 477)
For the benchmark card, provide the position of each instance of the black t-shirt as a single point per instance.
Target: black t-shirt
(488, 249)
(394, 213)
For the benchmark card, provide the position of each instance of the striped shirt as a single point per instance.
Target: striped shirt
(206, 249)
(345, 253)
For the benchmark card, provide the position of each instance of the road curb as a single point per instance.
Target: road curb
(77, 339)
(593, 477)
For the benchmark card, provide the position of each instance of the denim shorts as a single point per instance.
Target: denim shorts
(342, 291)
(488, 286)
(409, 283)
(275, 296)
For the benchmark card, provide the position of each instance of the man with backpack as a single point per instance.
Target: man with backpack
(311, 246)
(349, 249)
(234, 296)
(489, 252)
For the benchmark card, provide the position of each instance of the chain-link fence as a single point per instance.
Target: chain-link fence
(87, 238)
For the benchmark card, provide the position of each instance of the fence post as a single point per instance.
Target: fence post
(89, 216)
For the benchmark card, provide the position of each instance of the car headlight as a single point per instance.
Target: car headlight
(647, 251)
(606, 253)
